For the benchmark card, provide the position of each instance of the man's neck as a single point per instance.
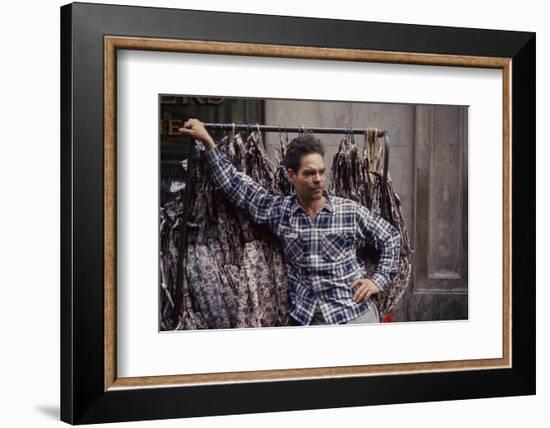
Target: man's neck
(312, 206)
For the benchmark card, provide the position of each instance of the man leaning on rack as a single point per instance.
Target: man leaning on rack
(327, 281)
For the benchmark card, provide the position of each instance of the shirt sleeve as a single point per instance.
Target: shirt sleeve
(242, 191)
(386, 239)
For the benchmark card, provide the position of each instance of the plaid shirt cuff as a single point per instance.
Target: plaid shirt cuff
(379, 280)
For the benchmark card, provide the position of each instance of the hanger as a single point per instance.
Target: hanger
(260, 139)
(232, 132)
(281, 145)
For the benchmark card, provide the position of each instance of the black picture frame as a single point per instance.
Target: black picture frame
(84, 398)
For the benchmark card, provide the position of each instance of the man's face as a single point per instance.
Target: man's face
(309, 181)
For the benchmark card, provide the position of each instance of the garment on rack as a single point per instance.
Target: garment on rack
(383, 199)
(216, 298)
(282, 184)
(347, 172)
(234, 274)
(189, 317)
(275, 259)
(358, 175)
(263, 289)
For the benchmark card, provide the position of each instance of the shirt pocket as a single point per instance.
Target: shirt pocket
(294, 245)
(336, 246)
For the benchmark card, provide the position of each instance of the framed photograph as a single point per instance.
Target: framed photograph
(266, 213)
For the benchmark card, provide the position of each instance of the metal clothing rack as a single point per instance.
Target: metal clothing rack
(279, 128)
(250, 128)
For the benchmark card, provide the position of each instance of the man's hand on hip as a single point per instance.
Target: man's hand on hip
(364, 289)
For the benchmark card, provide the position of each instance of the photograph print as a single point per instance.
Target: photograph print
(290, 213)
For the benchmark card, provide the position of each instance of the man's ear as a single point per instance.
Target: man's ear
(291, 175)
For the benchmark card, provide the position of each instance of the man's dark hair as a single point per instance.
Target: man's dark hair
(300, 146)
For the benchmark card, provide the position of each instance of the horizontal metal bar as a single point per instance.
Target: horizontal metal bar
(281, 128)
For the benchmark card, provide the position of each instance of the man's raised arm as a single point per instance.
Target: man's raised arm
(239, 188)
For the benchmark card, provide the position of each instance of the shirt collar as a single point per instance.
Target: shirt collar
(328, 203)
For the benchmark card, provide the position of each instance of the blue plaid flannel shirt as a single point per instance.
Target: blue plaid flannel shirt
(321, 254)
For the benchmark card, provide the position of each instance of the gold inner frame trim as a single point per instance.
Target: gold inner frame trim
(112, 43)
